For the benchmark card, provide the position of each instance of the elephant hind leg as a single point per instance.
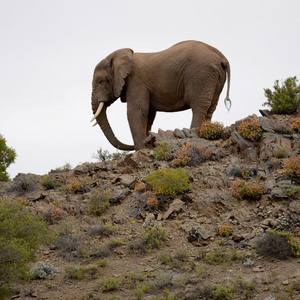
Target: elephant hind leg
(201, 105)
(151, 117)
(215, 100)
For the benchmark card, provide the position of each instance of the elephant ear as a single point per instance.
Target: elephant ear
(121, 64)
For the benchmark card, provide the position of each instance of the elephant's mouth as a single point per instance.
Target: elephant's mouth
(98, 111)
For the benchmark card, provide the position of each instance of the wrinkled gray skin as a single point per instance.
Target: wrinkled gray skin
(188, 75)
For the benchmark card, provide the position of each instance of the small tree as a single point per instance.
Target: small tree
(284, 99)
(7, 157)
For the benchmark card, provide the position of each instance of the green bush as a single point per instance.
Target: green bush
(153, 237)
(21, 234)
(7, 157)
(48, 183)
(285, 98)
(110, 284)
(280, 244)
(169, 181)
(250, 129)
(104, 155)
(81, 272)
(211, 130)
(163, 151)
(99, 201)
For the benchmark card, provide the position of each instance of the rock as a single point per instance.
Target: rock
(127, 180)
(118, 196)
(35, 196)
(242, 142)
(267, 125)
(285, 282)
(168, 134)
(175, 206)
(179, 133)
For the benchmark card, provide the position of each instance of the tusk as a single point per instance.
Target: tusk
(95, 124)
(98, 111)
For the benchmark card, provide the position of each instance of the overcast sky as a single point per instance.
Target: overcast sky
(49, 50)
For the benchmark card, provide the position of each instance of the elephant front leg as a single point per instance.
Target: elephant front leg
(138, 122)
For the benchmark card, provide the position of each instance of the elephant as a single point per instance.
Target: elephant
(190, 74)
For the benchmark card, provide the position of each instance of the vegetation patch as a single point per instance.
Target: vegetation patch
(247, 189)
(81, 272)
(21, 234)
(292, 167)
(285, 97)
(163, 151)
(280, 244)
(99, 201)
(152, 237)
(169, 181)
(211, 130)
(7, 157)
(250, 129)
(190, 154)
(296, 124)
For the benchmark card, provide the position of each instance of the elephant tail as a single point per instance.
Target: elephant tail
(227, 100)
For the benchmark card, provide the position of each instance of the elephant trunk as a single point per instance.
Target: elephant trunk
(104, 124)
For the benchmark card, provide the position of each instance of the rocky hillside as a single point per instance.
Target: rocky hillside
(118, 239)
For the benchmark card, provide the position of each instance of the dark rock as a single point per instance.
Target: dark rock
(118, 196)
(266, 113)
(267, 125)
(35, 196)
(242, 142)
(179, 133)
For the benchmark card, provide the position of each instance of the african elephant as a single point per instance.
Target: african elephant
(190, 74)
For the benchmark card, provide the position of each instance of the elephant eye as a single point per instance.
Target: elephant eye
(99, 81)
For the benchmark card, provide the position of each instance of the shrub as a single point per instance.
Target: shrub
(152, 201)
(211, 130)
(153, 237)
(140, 187)
(103, 229)
(284, 99)
(191, 155)
(163, 151)
(279, 244)
(169, 181)
(74, 185)
(23, 183)
(43, 270)
(250, 129)
(48, 183)
(21, 234)
(68, 242)
(51, 213)
(110, 284)
(247, 189)
(280, 152)
(296, 124)
(108, 248)
(65, 168)
(99, 201)
(7, 157)
(78, 273)
(104, 155)
(225, 230)
(292, 167)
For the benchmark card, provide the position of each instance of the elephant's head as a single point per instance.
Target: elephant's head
(108, 81)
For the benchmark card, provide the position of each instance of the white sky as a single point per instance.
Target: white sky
(49, 49)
